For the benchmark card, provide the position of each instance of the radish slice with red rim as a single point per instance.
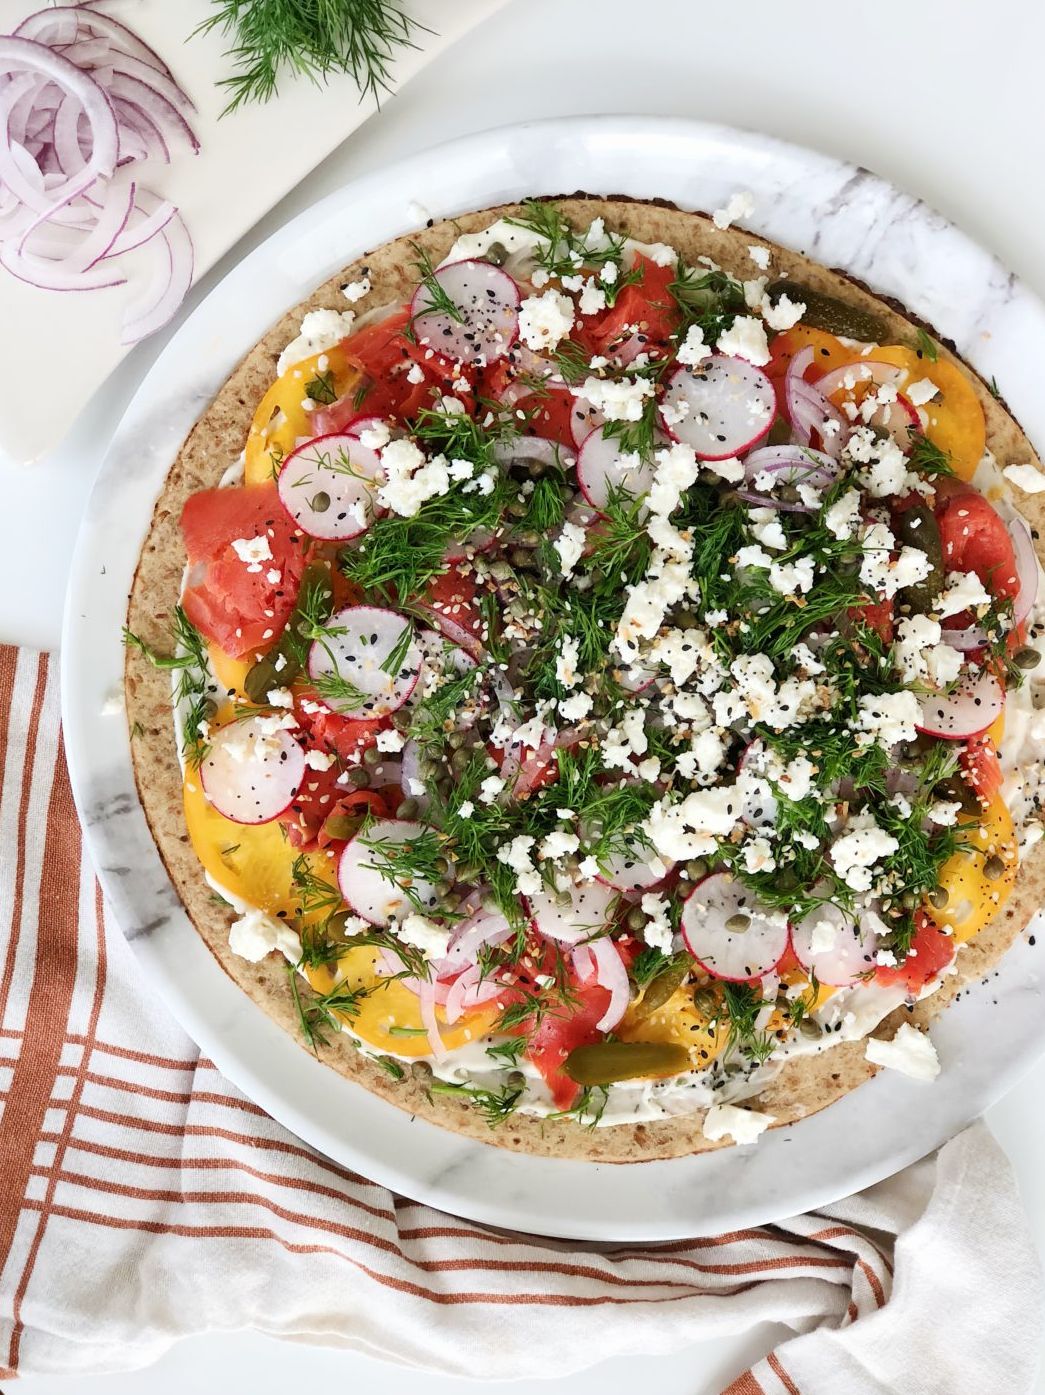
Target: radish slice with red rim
(968, 711)
(251, 773)
(729, 406)
(631, 870)
(366, 664)
(897, 419)
(365, 876)
(327, 487)
(729, 933)
(832, 945)
(584, 419)
(573, 916)
(603, 471)
(485, 322)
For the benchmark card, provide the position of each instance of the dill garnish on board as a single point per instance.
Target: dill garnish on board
(317, 39)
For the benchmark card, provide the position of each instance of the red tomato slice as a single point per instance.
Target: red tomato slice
(647, 304)
(330, 731)
(975, 539)
(241, 610)
(931, 951)
(879, 617)
(561, 1032)
(319, 797)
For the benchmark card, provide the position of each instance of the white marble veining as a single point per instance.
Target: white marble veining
(844, 217)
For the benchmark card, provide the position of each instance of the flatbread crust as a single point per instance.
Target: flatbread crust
(806, 1084)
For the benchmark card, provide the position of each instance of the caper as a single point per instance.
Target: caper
(359, 776)
(738, 923)
(372, 756)
(496, 254)
(830, 314)
(442, 888)
(636, 918)
(320, 501)
(529, 538)
(696, 869)
(407, 810)
(1027, 657)
(518, 508)
(443, 865)
(460, 761)
(787, 880)
(808, 1028)
(339, 826)
(705, 1002)
(519, 557)
(939, 896)
(469, 872)
(422, 1069)
(605, 1062)
(455, 740)
(993, 868)
(908, 900)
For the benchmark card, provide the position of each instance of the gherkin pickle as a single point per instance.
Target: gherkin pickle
(834, 316)
(606, 1062)
(660, 989)
(918, 528)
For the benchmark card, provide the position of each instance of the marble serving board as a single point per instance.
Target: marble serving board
(247, 161)
(841, 215)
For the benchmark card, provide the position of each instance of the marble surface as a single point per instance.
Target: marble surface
(842, 215)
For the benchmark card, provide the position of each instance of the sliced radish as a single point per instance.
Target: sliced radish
(897, 419)
(486, 322)
(584, 419)
(630, 871)
(522, 450)
(832, 945)
(251, 774)
(1027, 569)
(968, 711)
(729, 405)
(603, 471)
(573, 916)
(611, 974)
(729, 933)
(372, 894)
(327, 486)
(347, 663)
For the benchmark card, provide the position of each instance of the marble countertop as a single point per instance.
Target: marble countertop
(964, 137)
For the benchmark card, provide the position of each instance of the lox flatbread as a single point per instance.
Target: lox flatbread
(603, 673)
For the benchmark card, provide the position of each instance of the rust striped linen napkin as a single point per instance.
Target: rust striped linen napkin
(143, 1198)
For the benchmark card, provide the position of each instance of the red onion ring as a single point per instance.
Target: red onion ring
(611, 974)
(808, 408)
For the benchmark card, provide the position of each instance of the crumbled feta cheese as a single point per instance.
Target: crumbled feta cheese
(963, 591)
(466, 810)
(910, 1052)
(693, 350)
(887, 718)
(410, 478)
(566, 661)
(490, 788)
(843, 516)
(256, 934)
(784, 315)
(739, 205)
(280, 697)
(575, 707)
(743, 1126)
(431, 939)
(921, 392)
(253, 551)
(657, 931)
(558, 844)
(856, 854)
(390, 740)
(592, 298)
(760, 256)
(621, 400)
(746, 339)
(320, 329)
(791, 578)
(545, 320)
(1026, 477)
(356, 290)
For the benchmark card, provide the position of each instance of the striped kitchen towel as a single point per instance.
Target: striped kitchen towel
(143, 1198)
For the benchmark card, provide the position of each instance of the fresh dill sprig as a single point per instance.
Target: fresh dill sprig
(494, 1105)
(741, 1004)
(319, 1013)
(436, 299)
(397, 654)
(927, 458)
(188, 658)
(311, 38)
(321, 388)
(709, 299)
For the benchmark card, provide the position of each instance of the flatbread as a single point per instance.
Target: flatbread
(805, 1084)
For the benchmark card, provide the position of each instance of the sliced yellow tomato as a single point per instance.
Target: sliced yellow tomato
(996, 730)
(681, 1022)
(253, 862)
(954, 418)
(973, 897)
(231, 673)
(389, 1017)
(280, 418)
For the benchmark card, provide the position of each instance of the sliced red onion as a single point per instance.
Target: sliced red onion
(853, 375)
(794, 464)
(481, 929)
(82, 101)
(426, 997)
(808, 408)
(611, 974)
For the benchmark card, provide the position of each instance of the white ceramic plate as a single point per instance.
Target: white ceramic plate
(843, 217)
